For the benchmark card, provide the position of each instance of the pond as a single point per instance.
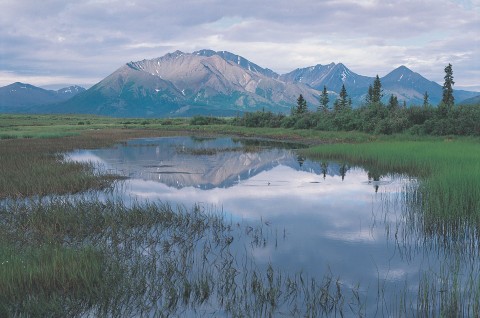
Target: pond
(346, 231)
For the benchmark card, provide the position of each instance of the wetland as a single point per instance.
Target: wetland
(227, 226)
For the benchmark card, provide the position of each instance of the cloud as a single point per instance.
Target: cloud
(90, 39)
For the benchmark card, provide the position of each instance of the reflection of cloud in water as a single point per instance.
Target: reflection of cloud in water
(318, 222)
(393, 273)
(84, 156)
(286, 189)
(362, 235)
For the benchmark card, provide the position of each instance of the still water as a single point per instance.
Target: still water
(320, 217)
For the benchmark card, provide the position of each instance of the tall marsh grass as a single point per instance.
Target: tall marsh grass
(449, 171)
(35, 166)
(74, 257)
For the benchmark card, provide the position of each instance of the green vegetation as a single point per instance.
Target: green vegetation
(376, 117)
(71, 257)
(36, 166)
(104, 257)
(447, 98)
(449, 171)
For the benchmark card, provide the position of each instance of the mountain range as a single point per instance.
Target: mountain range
(214, 83)
(19, 97)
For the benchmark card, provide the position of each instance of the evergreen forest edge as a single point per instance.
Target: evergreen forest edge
(373, 116)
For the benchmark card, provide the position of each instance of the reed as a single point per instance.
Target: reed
(107, 258)
(449, 171)
(36, 166)
(33, 279)
(103, 257)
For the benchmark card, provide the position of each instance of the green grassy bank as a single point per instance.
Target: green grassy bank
(448, 169)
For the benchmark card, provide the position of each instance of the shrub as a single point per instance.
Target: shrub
(206, 120)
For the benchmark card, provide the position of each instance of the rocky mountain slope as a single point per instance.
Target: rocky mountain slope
(185, 84)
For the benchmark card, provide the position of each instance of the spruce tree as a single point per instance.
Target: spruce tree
(393, 103)
(344, 104)
(426, 103)
(324, 100)
(301, 105)
(377, 93)
(448, 98)
(337, 108)
(369, 97)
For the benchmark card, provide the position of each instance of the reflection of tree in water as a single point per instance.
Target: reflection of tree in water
(324, 167)
(267, 143)
(199, 139)
(374, 176)
(343, 170)
(300, 160)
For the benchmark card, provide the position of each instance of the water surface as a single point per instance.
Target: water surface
(318, 217)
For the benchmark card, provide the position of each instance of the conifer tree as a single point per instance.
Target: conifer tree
(301, 105)
(324, 99)
(369, 97)
(344, 104)
(426, 103)
(448, 98)
(377, 93)
(393, 103)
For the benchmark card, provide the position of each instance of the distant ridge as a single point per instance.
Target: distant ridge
(20, 96)
(219, 83)
(471, 101)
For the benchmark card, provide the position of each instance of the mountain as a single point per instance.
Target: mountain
(241, 61)
(471, 101)
(217, 83)
(407, 85)
(19, 96)
(411, 87)
(333, 76)
(68, 92)
(185, 84)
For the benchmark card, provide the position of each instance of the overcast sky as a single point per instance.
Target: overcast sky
(57, 42)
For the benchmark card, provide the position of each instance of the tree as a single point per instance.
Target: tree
(343, 103)
(448, 98)
(377, 93)
(301, 105)
(426, 103)
(324, 100)
(369, 97)
(393, 103)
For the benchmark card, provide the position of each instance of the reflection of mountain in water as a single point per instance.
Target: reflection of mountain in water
(205, 163)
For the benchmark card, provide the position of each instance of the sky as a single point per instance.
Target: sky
(54, 43)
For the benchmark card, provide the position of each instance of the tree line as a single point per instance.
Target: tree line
(374, 116)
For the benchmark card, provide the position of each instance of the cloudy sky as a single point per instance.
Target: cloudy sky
(51, 43)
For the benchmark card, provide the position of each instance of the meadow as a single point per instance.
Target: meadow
(57, 256)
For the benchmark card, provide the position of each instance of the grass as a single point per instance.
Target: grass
(63, 257)
(31, 147)
(449, 170)
(35, 166)
(107, 258)
(57, 126)
(35, 276)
